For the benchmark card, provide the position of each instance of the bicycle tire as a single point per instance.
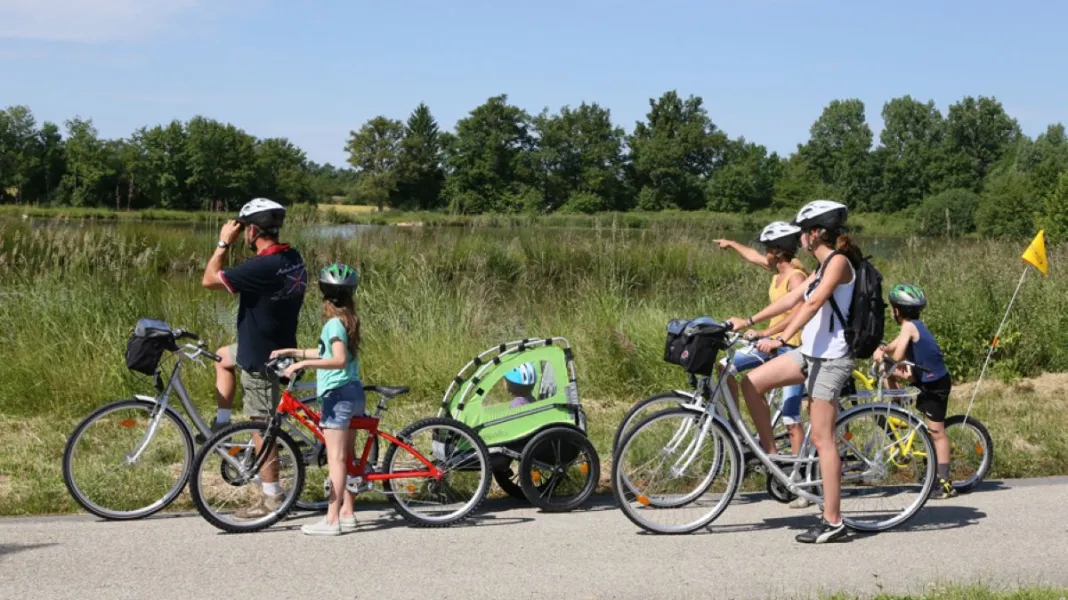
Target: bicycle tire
(697, 492)
(69, 453)
(509, 483)
(880, 412)
(987, 451)
(535, 493)
(675, 397)
(719, 432)
(269, 437)
(479, 448)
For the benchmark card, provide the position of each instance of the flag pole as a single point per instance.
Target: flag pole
(993, 344)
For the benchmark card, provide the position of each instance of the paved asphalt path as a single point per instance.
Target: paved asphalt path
(1006, 534)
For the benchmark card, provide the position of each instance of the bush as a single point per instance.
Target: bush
(951, 212)
(1055, 220)
(583, 202)
(1007, 207)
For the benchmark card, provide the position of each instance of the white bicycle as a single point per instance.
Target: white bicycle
(678, 469)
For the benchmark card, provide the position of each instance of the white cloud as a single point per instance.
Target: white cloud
(92, 20)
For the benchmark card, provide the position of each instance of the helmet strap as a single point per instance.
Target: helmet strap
(256, 234)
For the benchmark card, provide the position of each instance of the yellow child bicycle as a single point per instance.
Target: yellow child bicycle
(971, 447)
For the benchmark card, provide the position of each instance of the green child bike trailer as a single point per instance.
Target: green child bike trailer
(522, 399)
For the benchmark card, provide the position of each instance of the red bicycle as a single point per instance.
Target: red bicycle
(435, 471)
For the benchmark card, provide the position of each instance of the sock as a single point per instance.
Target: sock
(222, 415)
(943, 471)
(272, 488)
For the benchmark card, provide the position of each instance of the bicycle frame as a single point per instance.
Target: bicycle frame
(701, 387)
(736, 425)
(876, 382)
(176, 386)
(162, 402)
(291, 407)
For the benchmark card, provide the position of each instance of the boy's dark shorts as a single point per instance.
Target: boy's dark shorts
(934, 399)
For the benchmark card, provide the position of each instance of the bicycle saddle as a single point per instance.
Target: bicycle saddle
(387, 391)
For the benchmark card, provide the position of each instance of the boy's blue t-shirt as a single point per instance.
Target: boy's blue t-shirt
(331, 379)
(925, 353)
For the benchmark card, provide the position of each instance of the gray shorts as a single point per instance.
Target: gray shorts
(257, 392)
(824, 377)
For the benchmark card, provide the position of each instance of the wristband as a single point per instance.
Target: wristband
(750, 322)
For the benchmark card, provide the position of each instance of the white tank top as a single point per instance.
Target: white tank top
(817, 338)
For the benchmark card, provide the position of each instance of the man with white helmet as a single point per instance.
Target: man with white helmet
(270, 288)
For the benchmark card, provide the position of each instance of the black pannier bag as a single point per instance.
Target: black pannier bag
(145, 348)
(695, 344)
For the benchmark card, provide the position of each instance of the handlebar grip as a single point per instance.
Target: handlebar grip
(212, 356)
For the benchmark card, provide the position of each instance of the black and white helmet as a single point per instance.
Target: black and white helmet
(265, 214)
(781, 234)
(825, 214)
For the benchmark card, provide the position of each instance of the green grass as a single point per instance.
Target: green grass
(431, 298)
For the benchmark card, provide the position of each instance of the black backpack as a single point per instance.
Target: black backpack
(865, 323)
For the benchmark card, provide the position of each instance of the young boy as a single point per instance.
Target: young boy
(520, 382)
(916, 344)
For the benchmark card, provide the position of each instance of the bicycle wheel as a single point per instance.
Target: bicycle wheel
(226, 479)
(676, 471)
(880, 489)
(971, 452)
(458, 452)
(508, 480)
(646, 407)
(559, 470)
(116, 466)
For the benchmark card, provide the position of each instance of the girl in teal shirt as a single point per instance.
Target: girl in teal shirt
(339, 389)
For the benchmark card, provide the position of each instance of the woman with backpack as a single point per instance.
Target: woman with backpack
(824, 362)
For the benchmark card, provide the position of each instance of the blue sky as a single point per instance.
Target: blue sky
(314, 70)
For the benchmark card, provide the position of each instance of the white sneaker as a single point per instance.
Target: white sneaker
(321, 528)
(348, 523)
(800, 502)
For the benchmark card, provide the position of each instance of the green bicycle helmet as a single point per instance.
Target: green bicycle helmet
(338, 281)
(908, 295)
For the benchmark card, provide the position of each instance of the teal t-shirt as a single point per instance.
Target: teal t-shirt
(331, 379)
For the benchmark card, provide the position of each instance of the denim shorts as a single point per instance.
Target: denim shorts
(791, 394)
(341, 404)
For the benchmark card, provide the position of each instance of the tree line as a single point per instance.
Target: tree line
(971, 169)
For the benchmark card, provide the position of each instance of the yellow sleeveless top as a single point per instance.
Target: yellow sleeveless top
(778, 291)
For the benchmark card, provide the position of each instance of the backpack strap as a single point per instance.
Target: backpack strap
(834, 305)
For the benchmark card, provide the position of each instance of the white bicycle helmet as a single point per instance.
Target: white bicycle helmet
(781, 234)
(265, 214)
(822, 213)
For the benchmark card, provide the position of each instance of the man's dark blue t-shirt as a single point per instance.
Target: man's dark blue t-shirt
(271, 288)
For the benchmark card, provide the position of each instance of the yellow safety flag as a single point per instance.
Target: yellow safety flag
(1035, 255)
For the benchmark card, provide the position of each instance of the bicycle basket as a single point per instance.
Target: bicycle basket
(145, 348)
(695, 345)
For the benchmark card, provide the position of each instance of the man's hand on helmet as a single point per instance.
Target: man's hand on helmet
(231, 230)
